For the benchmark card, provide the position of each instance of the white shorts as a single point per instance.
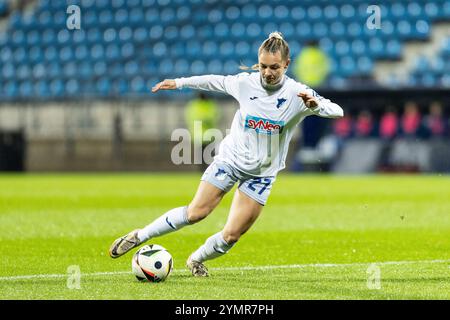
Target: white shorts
(224, 176)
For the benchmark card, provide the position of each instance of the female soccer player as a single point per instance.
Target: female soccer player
(271, 106)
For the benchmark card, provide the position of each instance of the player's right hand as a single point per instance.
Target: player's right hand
(167, 84)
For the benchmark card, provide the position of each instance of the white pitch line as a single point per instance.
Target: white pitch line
(244, 268)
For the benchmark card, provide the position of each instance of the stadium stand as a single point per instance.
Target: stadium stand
(124, 47)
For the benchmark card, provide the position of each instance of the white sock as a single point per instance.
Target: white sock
(215, 246)
(172, 220)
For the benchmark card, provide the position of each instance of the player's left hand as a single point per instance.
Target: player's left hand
(308, 99)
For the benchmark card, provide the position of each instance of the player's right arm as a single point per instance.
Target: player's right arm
(218, 83)
(167, 84)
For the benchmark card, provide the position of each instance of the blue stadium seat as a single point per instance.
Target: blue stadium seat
(194, 49)
(8, 71)
(57, 88)
(414, 9)
(303, 30)
(269, 27)
(72, 87)
(103, 86)
(18, 38)
(253, 31)
(295, 48)
(314, 13)
(347, 11)
(100, 69)
(265, 12)
(11, 89)
(181, 67)
(156, 32)
(138, 85)
(221, 30)
(187, 32)
(249, 12)
(231, 67)
(226, 49)
(337, 29)
(167, 15)
(131, 68)
(41, 89)
(281, 13)
(237, 30)
(354, 29)
(298, 13)
(171, 33)
(25, 89)
(342, 48)
(445, 80)
(81, 52)
(20, 56)
(198, 67)
(431, 11)
(428, 80)
(347, 66)
(215, 66)
(421, 64)
(358, 47)
(120, 87)
(151, 16)
(69, 70)
(331, 12)
(320, 29)
(288, 30)
(5, 55)
(393, 49)
(242, 49)
(364, 65)
(206, 32)
(66, 54)
(166, 68)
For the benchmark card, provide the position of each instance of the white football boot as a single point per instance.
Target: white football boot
(124, 244)
(197, 268)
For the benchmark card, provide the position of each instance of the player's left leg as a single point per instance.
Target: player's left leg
(243, 213)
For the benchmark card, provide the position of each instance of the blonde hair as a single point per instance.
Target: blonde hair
(272, 44)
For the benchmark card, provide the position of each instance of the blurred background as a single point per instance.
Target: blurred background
(74, 81)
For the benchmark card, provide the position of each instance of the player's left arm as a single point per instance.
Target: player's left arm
(320, 106)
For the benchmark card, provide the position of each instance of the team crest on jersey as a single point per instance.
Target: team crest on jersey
(262, 125)
(220, 174)
(280, 102)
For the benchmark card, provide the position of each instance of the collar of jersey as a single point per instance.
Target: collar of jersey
(274, 87)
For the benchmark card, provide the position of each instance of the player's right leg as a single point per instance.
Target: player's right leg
(207, 197)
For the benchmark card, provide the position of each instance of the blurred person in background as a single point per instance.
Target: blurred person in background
(343, 130)
(435, 122)
(311, 67)
(411, 121)
(389, 124)
(205, 112)
(343, 127)
(364, 124)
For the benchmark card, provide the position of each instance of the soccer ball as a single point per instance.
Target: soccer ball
(152, 263)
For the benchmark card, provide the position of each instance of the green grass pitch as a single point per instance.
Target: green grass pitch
(315, 239)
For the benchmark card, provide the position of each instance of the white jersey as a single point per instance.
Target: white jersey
(265, 121)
